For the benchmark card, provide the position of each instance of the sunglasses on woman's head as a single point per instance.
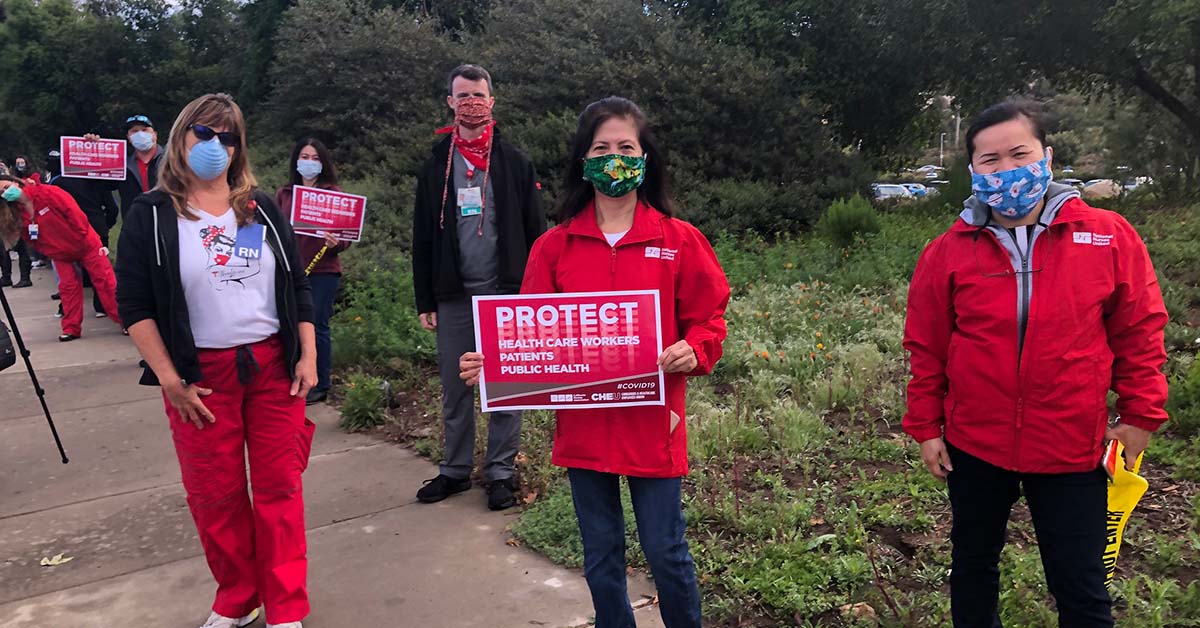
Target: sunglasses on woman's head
(205, 134)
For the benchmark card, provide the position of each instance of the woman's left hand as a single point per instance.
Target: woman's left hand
(306, 376)
(678, 358)
(330, 241)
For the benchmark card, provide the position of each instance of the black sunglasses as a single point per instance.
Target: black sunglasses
(204, 134)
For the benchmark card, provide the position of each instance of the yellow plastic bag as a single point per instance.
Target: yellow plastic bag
(1125, 489)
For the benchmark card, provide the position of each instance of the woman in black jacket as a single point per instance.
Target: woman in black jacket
(218, 304)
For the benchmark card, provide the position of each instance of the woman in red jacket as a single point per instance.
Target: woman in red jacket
(1020, 320)
(618, 233)
(312, 166)
(47, 218)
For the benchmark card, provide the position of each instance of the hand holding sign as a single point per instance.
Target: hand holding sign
(470, 365)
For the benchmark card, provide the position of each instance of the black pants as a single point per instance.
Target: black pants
(23, 261)
(1068, 511)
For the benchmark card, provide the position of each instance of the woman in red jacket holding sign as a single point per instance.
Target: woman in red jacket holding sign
(618, 233)
(47, 218)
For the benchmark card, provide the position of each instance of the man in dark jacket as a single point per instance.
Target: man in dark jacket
(141, 163)
(96, 200)
(478, 211)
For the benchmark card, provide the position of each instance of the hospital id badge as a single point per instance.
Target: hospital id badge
(470, 201)
(33, 231)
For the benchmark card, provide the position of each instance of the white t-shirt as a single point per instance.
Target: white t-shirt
(230, 291)
(614, 238)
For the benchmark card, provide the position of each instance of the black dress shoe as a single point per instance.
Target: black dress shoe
(441, 487)
(5, 282)
(500, 494)
(67, 337)
(55, 297)
(24, 283)
(315, 396)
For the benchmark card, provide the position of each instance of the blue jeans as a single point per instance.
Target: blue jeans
(324, 291)
(658, 509)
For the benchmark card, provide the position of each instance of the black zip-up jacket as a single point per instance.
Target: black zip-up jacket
(149, 285)
(520, 220)
(131, 187)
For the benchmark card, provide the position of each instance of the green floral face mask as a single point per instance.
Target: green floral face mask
(615, 175)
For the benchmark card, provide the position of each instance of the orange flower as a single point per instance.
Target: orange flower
(818, 334)
(820, 346)
(812, 356)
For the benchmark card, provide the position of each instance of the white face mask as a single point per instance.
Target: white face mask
(142, 140)
(309, 168)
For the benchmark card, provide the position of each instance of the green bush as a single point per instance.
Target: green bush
(749, 207)
(1184, 403)
(364, 402)
(848, 219)
(377, 318)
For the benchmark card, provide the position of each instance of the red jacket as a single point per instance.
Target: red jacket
(693, 291)
(1095, 323)
(330, 264)
(63, 229)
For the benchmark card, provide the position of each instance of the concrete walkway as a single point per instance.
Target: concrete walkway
(377, 558)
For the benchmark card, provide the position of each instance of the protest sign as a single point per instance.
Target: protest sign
(563, 351)
(315, 211)
(88, 159)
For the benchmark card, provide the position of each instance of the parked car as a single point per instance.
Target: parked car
(1136, 182)
(916, 189)
(891, 191)
(1075, 183)
(1067, 170)
(1101, 188)
(930, 168)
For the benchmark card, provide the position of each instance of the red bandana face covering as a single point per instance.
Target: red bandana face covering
(473, 112)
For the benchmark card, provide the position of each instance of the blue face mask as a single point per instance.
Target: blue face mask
(208, 160)
(309, 168)
(12, 193)
(1013, 193)
(142, 140)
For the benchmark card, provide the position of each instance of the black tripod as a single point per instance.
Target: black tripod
(12, 323)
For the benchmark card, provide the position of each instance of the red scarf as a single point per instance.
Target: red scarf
(475, 151)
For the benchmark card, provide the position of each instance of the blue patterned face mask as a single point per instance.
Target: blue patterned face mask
(1013, 193)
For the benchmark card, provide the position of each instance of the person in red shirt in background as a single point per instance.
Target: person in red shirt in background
(142, 162)
(1020, 319)
(47, 217)
(312, 166)
(619, 233)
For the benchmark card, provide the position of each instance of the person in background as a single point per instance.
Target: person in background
(218, 305)
(142, 163)
(48, 218)
(478, 211)
(312, 166)
(96, 200)
(1020, 319)
(24, 169)
(616, 209)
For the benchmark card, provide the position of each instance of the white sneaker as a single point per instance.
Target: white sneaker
(290, 624)
(221, 621)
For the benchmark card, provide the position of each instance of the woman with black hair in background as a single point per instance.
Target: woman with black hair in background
(312, 166)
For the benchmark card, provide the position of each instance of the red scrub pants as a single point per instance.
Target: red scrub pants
(257, 552)
(70, 288)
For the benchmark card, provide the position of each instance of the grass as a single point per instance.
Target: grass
(806, 503)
